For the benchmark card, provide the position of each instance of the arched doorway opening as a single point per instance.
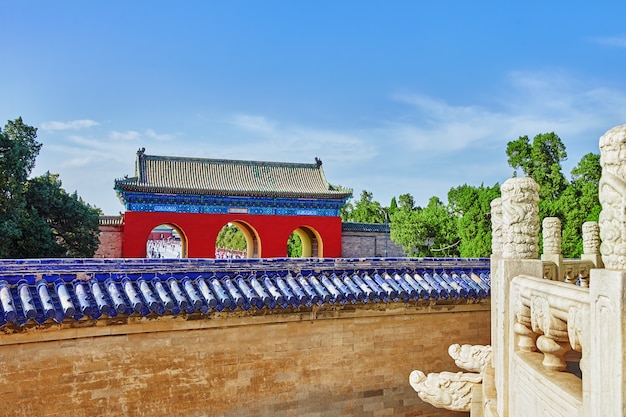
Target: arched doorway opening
(237, 239)
(311, 245)
(166, 241)
(294, 246)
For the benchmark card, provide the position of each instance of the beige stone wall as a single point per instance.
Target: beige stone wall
(331, 361)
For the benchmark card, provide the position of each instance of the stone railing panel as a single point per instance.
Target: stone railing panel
(550, 317)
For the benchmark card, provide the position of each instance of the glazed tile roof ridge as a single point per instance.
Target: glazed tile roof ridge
(75, 296)
(206, 176)
(68, 265)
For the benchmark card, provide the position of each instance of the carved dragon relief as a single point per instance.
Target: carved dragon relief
(453, 390)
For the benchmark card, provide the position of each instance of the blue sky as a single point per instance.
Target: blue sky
(395, 97)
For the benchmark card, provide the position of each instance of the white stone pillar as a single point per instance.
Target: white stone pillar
(551, 228)
(520, 248)
(591, 244)
(605, 392)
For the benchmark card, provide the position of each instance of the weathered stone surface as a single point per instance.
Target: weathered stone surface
(613, 198)
(473, 358)
(520, 218)
(449, 390)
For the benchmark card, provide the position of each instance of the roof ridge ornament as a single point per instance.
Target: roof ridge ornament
(318, 162)
(141, 151)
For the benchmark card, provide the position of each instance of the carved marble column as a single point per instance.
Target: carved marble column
(520, 218)
(496, 255)
(520, 252)
(496, 226)
(551, 228)
(607, 387)
(591, 244)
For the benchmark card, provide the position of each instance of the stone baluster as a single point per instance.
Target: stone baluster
(591, 244)
(551, 227)
(520, 252)
(553, 341)
(526, 338)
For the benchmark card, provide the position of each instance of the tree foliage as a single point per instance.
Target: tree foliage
(37, 217)
(573, 202)
(428, 231)
(541, 161)
(364, 210)
(231, 237)
(294, 246)
(472, 208)
(462, 227)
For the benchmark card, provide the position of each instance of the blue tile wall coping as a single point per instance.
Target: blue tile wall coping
(61, 289)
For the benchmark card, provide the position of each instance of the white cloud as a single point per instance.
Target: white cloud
(71, 125)
(529, 104)
(291, 142)
(618, 41)
(254, 123)
(429, 146)
(161, 137)
(129, 135)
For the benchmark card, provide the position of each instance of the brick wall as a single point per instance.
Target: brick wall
(110, 242)
(369, 244)
(328, 361)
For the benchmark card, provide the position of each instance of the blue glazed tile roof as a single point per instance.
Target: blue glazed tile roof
(59, 290)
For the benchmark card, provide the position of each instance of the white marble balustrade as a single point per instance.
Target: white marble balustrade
(551, 317)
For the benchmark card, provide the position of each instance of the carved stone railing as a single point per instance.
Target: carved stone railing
(551, 317)
(570, 271)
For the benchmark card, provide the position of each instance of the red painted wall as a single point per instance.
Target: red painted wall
(200, 231)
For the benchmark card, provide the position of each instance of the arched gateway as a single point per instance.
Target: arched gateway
(268, 200)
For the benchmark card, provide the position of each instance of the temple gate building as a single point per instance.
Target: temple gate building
(197, 197)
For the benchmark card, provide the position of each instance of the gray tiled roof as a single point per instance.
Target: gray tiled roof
(111, 220)
(365, 227)
(183, 175)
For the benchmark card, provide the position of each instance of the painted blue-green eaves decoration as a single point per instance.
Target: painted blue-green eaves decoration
(148, 202)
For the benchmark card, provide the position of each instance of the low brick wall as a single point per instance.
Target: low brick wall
(351, 360)
(111, 237)
(369, 244)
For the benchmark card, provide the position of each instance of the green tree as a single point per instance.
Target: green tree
(37, 217)
(541, 161)
(18, 152)
(231, 237)
(365, 210)
(393, 206)
(472, 208)
(579, 203)
(406, 201)
(428, 231)
(294, 246)
(573, 202)
(71, 224)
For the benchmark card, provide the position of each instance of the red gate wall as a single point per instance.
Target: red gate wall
(201, 230)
